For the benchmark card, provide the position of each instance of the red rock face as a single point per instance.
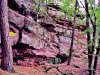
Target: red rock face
(16, 18)
(36, 43)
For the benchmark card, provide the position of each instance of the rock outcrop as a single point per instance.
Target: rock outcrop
(39, 41)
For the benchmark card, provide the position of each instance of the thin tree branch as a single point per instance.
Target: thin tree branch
(73, 31)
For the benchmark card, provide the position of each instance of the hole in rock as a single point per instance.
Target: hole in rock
(59, 59)
(13, 5)
(20, 46)
(48, 27)
(18, 58)
(23, 46)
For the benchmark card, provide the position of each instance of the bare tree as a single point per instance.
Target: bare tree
(7, 57)
(73, 31)
(88, 38)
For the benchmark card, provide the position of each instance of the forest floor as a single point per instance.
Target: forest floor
(78, 67)
(40, 70)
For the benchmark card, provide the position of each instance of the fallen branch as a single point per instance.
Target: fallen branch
(56, 68)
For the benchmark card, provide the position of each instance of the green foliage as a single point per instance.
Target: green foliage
(68, 7)
(50, 1)
(97, 11)
(61, 16)
(80, 22)
(93, 9)
(40, 1)
(44, 1)
(41, 9)
(87, 30)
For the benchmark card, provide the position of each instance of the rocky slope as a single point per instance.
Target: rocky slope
(46, 39)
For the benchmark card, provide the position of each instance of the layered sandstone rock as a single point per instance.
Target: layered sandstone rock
(45, 39)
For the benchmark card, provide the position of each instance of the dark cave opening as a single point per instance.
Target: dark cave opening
(59, 59)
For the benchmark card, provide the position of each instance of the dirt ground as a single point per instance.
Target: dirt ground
(40, 70)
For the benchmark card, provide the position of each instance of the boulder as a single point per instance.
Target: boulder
(47, 52)
(32, 40)
(16, 18)
(64, 39)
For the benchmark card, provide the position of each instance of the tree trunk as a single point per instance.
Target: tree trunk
(96, 58)
(73, 32)
(88, 38)
(7, 57)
